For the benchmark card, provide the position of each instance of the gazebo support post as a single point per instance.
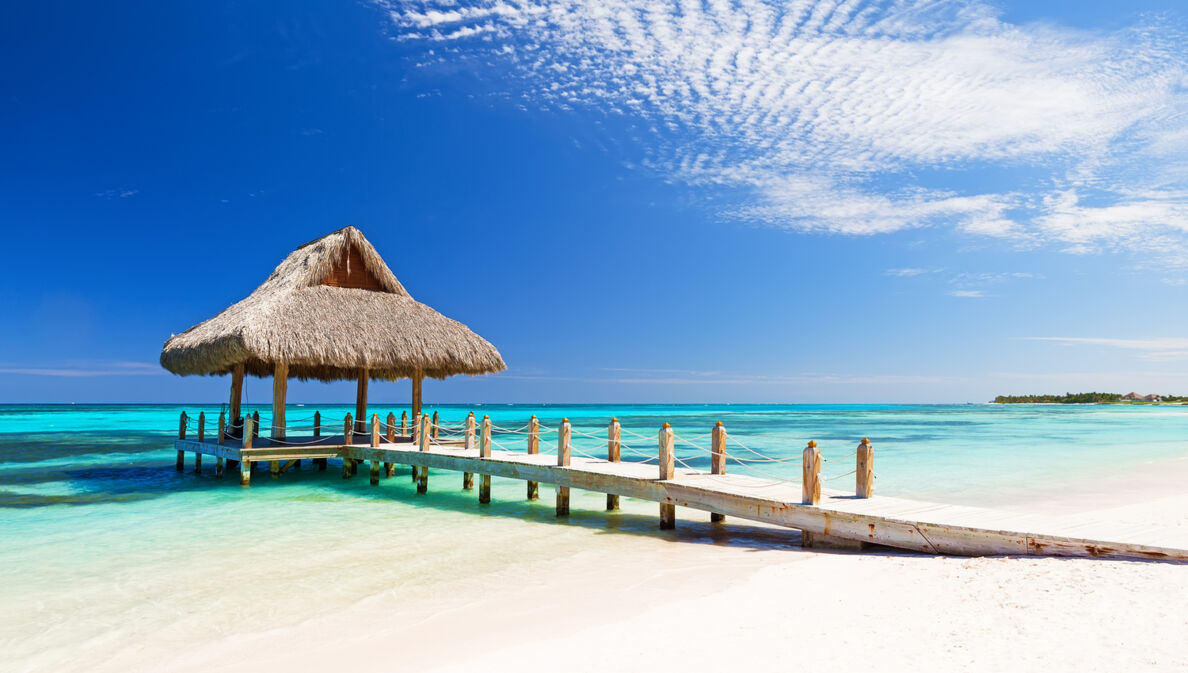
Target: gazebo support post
(361, 401)
(236, 397)
(416, 397)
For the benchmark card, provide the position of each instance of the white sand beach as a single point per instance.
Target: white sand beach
(739, 600)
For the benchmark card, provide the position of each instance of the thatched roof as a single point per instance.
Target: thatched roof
(332, 307)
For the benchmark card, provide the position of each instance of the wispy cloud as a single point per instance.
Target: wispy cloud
(967, 294)
(909, 272)
(648, 376)
(88, 370)
(824, 110)
(117, 193)
(1159, 349)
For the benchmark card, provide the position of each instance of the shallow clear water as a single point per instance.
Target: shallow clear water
(103, 542)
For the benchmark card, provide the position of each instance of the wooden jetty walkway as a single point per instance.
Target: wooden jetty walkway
(826, 518)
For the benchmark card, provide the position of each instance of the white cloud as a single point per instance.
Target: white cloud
(967, 294)
(1159, 349)
(825, 110)
(87, 370)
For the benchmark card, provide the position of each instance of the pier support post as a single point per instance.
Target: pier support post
(416, 437)
(468, 444)
(181, 434)
(245, 465)
(403, 423)
(810, 492)
(375, 442)
(390, 435)
(614, 453)
(236, 395)
(364, 377)
(423, 477)
(718, 461)
(222, 438)
(485, 452)
(667, 462)
(864, 470)
(435, 425)
(274, 468)
(317, 433)
(564, 446)
(201, 438)
(533, 449)
(348, 433)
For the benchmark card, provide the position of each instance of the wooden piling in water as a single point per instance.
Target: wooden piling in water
(811, 474)
(181, 434)
(864, 470)
(718, 461)
(416, 437)
(348, 432)
(201, 438)
(423, 477)
(485, 452)
(256, 423)
(468, 444)
(222, 438)
(375, 442)
(667, 463)
(534, 448)
(614, 453)
(564, 447)
(317, 433)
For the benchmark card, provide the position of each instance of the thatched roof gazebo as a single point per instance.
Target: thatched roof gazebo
(331, 311)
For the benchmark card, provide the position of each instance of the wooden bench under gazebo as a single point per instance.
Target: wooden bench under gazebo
(331, 311)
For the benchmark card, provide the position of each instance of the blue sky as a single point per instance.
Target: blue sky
(635, 201)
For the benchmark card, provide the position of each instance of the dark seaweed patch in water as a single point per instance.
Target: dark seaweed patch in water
(27, 448)
(94, 485)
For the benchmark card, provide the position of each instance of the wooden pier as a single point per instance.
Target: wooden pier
(826, 518)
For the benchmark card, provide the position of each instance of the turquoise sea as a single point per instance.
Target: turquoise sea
(103, 543)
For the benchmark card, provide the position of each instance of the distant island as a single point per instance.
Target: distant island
(1090, 398)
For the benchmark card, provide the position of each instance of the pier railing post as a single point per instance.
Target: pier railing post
(245, 465)
(375, 442)
(864, 470)
(564, 447)
(667, 462)
(614, 453)
(256, 423)
(403, 423)
(718, 460)
(485, 452)
(201, 438)
(222, 438)
(435, 426)
(423, 476)
(533, 449)
(181, 434)
(468, 444)
(811, 468)
(390, 435)
(317, 433)
(348, 433)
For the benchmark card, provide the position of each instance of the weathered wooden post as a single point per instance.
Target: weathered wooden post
(718, 460)
(435, 425)
(390, 432)
(222, 438)
(564, 446)
(811, 466)
(667, 462)
(375, 442)
(256, 422)
(864, 474)
(533, 449)
(614, 453)
(348, 431)
(245, 465)
(201, 438)
(485, 452)
(181, 434)
(468, 444)
(403, 423)
(317, 433)
(416, 438)
(274, 468)
(423, 478)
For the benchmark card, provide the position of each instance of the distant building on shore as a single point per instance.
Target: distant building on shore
(1135, 397)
